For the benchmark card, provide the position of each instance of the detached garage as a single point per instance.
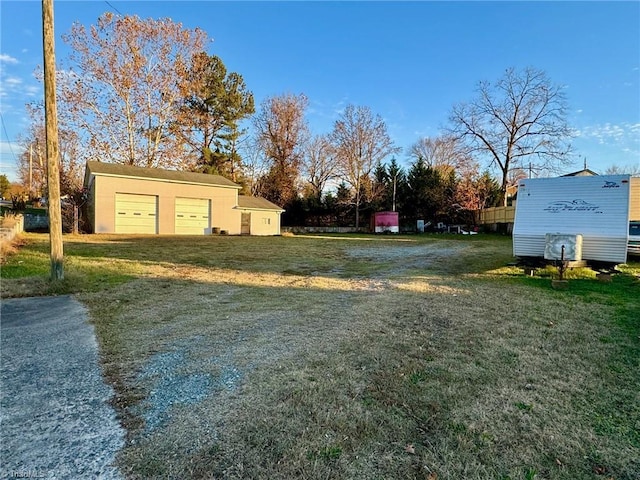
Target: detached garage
(135, 200)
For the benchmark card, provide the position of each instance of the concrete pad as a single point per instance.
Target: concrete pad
(54, 413)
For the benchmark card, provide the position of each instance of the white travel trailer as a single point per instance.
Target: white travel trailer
(587, 215)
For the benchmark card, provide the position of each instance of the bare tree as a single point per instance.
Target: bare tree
(633, 170)
(443, 153)
(319, 164)
(515, 122)
(281, 131)
(124, 86)
(32, 168)
(361, 142)
(254, 166)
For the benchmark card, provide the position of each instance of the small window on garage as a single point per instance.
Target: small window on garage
(266, 221)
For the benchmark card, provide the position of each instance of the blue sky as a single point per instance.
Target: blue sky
(410, 62)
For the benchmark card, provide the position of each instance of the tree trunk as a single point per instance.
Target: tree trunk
(503, 188)
(357, 205)
(75, 220)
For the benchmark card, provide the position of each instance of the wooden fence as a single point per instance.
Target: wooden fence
(496, 215)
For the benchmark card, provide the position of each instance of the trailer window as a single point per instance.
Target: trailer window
(634, 228)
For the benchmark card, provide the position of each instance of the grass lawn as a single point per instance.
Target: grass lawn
(354, 357)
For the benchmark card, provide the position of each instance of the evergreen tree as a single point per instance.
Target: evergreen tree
(209, 121)
(429, 195)
(488, 190)
(344, 206)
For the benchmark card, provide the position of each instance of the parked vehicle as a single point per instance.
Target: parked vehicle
(590, 215)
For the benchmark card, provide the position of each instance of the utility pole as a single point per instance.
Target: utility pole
(395, 175)
(30, 167)
(51, 123)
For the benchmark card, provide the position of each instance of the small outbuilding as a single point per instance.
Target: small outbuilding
(258, 216)
(385, 222)
(127, 199)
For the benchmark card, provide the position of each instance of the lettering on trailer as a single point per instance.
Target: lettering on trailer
(576, 205)
(608, 184)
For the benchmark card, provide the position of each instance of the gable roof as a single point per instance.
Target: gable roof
(256, 203)
(581, 173)
(157, 174)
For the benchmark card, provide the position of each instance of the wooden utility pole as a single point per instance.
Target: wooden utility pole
(51, 123)
(30, 167)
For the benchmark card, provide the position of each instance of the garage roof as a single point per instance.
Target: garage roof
(120, 170)
(256, 203)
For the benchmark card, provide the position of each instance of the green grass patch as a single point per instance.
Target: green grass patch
(26, 272)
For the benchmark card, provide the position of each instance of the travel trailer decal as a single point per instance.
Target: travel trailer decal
(571, 206)
(608, 184)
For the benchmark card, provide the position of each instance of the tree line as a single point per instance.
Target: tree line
(145, 92)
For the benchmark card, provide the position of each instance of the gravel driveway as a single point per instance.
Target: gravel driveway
(56, 422)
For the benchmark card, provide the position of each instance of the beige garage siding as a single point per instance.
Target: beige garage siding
(192, 216)
(136, 213)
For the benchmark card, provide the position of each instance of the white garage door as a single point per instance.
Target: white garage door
(136, 213)
(192, 216)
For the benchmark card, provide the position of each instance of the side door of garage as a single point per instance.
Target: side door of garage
(136, 213)
(193, 216)
(245, 223)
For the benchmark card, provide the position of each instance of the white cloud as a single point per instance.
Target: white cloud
(33, 91)
(9, 88)
(617, 141)
(4, 58)
(12, 81)
(12, 148)
(609, 133)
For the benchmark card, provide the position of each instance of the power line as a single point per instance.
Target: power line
(105, 1)
(4, 129)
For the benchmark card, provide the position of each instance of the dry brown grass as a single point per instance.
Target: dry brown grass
(9, 248)
(362, 358)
